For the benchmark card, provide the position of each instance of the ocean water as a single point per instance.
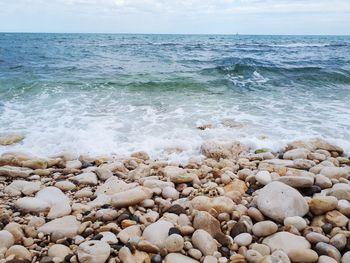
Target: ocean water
(116, 94)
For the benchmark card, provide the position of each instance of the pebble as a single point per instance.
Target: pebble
(66, 226)
(336, 218)
(326, 259)
(65, 185)
(264, 228)
(204, 242)
(338, 241)
(59, 251)
(303, 255)
(263, 177)
(296, 221)
(170, 192)
(195, 253)
(328, 250)
(204, 220)
(19, 252)
(315, 237)
(174, 243)
(346, 257)
(210, 259)
(278, 201)
(244, 239)
(93, 251)
(157, 233)
(131, 197)
(6, 239)
(129, 232)
(322, 204)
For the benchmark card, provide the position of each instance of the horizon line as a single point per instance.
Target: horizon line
(139, 33)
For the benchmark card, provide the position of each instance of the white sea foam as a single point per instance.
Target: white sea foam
(164, 124)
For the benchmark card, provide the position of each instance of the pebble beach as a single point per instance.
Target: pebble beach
(235, 205)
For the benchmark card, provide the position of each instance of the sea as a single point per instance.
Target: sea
(101, 94)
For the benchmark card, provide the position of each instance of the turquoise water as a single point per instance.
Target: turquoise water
(110, 93)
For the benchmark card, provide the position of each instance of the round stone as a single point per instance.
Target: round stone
(93, 251)
(59, 251)
(174, 243)
(303, 255)
(264, 228)
(19, 252)
(244, 239)
(296, 221)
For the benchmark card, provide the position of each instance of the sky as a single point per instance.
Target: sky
(291, 17)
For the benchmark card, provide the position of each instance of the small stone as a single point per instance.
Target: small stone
(87, 178)
(204, 242)
(322, 204)
(210, 259)
(237, 229)
(129, 232)
(131, 197)
(156, 259)
(338, 241)
(334, 172)
(264, 228)
(146, 246)
(74, 164)
(296, 221)
(336, 218)
(244, 239)
(174, 243)
(296, 181)
(263, 177)
(326, 259)
(93, 251)
(303, 255)
(204, 220)
(65, 185)
(346, 257)
(19, 252)
(103, 173)
(6, 239)
(220, 204)
(58, 250)
(170, 192)
(323, 181)
(253, 256)
(299, 153)
(66, 226)
(328, 250)
(315, 237)
(157, 233)
(195, 253)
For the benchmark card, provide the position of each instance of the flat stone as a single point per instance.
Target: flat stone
(93, 251)
(131, 197)
(63, 227)
(103, 173)
(286, 242)
(296, 221)
(278, 201)
(65, 185)
(74, 164)
(87, 178)
(204, 242)
(14, 172)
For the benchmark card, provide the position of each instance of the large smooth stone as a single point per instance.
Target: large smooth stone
(131, 197)
(93, 251)
(296, 181)
(58, 201)
(286, 241)
(299, 153)
(114, 185)
(204, 242)
(66, 226)
(157, 233)
(59, 251)
(278, 201)
(204, 220)
(334, 172)
(322, 204)
(13, 171)
(19, 252)
(179, 258)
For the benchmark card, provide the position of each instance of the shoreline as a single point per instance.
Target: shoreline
(235, 205)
